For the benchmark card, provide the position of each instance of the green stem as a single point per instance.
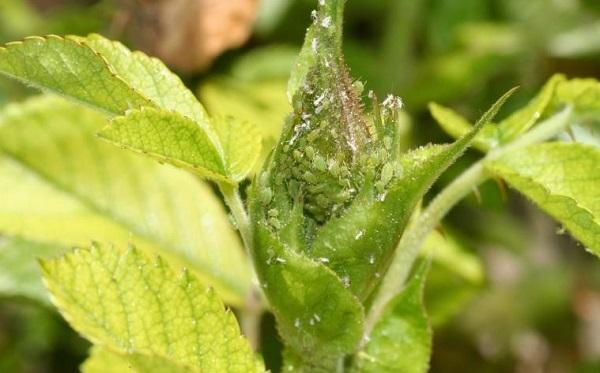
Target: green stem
(234, 201)
(416, 233)
(252, 312)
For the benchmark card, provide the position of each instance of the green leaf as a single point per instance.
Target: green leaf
(522, 120)
(563, 179)
(68, 67)
(148, 76)
(508, 129)
(100, 73)
(225, 155)
(103, 360)
(582, 94)
(168, 137)
(62, 185)
(241, 145)
(131, 304)
(317, 317)
(401, 340)
(19, 272)
(108, 76)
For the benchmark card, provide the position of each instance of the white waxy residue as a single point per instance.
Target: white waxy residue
(346, 281)
(393, 102)
(326, 22)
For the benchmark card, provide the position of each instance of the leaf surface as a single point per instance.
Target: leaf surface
(70, 68)
(241, 143)
(103, 360)
(150, 77)
(64, 186)
(123, 300)
(317, 317)
(401, 340)
(506, 130)
(225, 155)
(563, 179)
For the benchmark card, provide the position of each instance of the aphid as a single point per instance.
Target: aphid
(265, 195)
(387, 172)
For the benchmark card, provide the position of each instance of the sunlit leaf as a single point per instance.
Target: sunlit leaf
(563, 179)
(123, 300)
(62, 185)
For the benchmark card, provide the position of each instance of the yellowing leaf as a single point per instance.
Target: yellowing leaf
(62, 185)
(563, 179)
(134, 305)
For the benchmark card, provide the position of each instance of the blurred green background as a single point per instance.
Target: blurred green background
(515, 294)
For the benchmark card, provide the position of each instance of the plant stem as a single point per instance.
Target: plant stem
(416, 233)
(252, 312)
(233, 200)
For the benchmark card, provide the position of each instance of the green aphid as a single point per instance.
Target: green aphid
(310, 152)
(380, 186)
(266, 195)
(309, 177)
(273, 213)
(343, 196)
(398, 169)
(275, 223)
(297, 154)
(334, 168)
(387, 142)
(322, 201)
(313, 135)
(387, 173)
(319, 163)
(358, 87)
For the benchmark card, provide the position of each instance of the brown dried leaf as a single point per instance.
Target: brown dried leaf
(189, 34)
